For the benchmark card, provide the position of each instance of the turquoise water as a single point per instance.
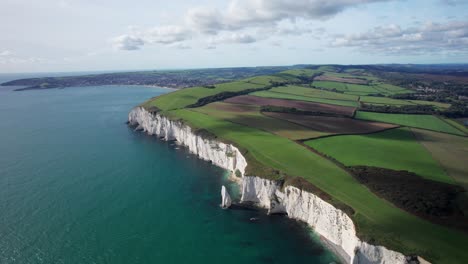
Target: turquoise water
(78, 186)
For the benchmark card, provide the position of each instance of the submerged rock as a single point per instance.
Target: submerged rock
(226, 198)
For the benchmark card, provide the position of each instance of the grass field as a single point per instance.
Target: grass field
(375, 218)
(395, 149)
(311, 92)
(267, 143)
(268, 79)
(330, 85)
(347, 88)
(383, 100)
(358, 89)
(188, 96)
(249, 115)
(352, 74)
(301, 72)
(436, 104)
(332, 125)
(336, 110)
(271, 94)
(391, 89)
(418, 121)
(457, 125)
(450, 151)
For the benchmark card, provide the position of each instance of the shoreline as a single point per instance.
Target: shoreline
(327, 221)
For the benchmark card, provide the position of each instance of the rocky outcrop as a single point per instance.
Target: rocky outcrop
(333, 225)
(225, 198)
(223, 155)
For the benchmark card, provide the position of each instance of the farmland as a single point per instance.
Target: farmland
(372, 216)
(418, 121)
(190, 96)
(450, 151)
(383, 100)
(347, 88)
(315, 93)
(395, 149)
(310, 133)
(332, 125)
(270, 94)
(302, 105)
(340, 79)
(249, 115)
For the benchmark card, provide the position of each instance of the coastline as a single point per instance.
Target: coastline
(334, 226)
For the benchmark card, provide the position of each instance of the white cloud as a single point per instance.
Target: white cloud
(242, 14)
(127, 42)
(205, 20)
(450, 37)
(236, 23)
(156, 35)
(236, 37)
(165, 34)
(5, 53)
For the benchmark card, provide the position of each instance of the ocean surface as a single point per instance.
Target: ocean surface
(79, 186)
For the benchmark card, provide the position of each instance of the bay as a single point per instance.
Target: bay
(79, 186)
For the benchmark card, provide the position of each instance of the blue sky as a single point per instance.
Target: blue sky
(84, 35)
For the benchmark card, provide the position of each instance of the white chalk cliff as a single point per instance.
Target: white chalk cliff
(225, 198)
(332, 224)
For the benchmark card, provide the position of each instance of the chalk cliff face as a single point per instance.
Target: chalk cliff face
(225, 198)
(333, 225)
(223, 155)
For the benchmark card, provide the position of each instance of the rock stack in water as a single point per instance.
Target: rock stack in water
(225, 198)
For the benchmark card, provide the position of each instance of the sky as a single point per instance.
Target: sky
(108, 35)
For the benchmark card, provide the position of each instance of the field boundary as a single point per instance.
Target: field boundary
(348, 134)
(412, 126)
(443, 120)
(312, 96)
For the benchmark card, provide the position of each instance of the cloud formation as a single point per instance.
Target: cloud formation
(433, 38)
(5, 53)
(232, 25)
(157, 35)
(235, 37)
(242, 14)
(128, 42)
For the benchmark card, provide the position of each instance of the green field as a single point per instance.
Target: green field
(395, 149)
(436, 104)
(450, 151)
(311, 92)
(251, 116)
(391, 89)
(268, 79)
(375, 218)
(188, 96)
(269, 147)
(358, 89)
(347, 88)
(383, 100)
(300, 72)
(457, 125)
(270, 94)
(418, 121)
(349, 74)
(331, 85)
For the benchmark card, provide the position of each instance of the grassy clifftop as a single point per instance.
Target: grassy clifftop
(274, 149)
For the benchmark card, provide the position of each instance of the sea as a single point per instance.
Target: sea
(77, 185)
